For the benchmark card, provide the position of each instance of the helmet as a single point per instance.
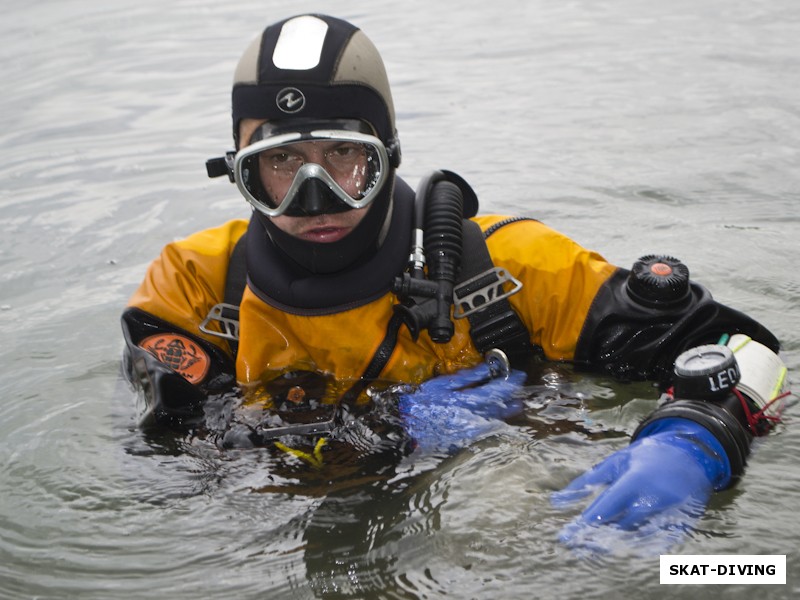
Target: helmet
(322, 88)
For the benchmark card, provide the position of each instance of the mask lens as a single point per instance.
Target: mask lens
(271, 172)
(347, 163)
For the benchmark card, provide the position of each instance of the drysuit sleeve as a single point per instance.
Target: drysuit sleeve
(169, 355)
(630, 333)
(173, 369)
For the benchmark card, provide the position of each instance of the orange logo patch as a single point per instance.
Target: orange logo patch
(180, 354)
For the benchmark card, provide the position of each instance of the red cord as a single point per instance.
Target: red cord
(754, 420)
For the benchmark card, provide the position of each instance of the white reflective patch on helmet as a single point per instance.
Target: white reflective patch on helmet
(299, 45)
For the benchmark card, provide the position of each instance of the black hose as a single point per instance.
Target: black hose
(443, 234)
(443, 243)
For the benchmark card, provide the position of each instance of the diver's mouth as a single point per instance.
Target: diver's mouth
(325, 234)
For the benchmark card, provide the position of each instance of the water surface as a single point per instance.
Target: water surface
(633, 126)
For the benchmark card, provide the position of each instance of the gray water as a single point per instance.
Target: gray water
(634, 126)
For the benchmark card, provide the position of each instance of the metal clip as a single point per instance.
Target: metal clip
(498, 364)
(488, 294)
(229, 325)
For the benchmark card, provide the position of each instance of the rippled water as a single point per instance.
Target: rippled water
(633, 126)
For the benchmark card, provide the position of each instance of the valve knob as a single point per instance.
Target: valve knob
(658, 281)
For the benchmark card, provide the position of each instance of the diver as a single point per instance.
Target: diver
(347, 277)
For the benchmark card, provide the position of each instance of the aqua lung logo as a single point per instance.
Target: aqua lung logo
(290, 100)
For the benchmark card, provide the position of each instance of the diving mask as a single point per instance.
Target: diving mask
(315, 168)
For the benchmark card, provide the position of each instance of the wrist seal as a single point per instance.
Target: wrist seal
(717, 419)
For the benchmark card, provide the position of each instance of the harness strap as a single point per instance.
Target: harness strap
(235, 282)
(497, 325)
(379, 359)
(236, 279)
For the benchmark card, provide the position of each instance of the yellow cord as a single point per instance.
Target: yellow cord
(313, 458)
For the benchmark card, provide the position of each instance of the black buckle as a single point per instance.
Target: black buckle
(222, 165)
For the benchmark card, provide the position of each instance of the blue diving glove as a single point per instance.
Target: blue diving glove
(660, 484)
(448, 412)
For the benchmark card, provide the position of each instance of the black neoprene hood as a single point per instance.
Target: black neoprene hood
(345, 80)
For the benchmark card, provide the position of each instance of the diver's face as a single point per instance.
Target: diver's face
(323, 228)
